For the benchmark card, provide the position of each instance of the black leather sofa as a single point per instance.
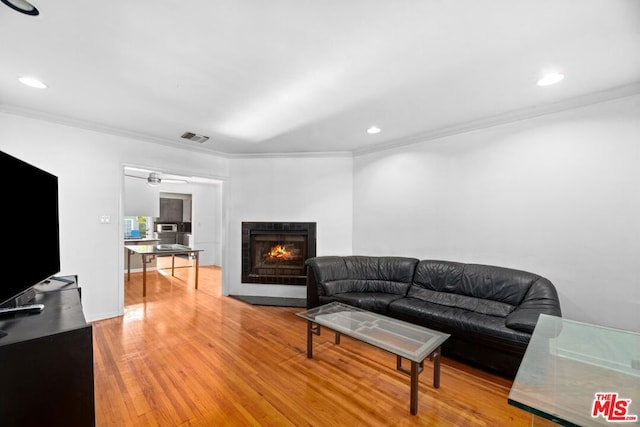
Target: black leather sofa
(489, 311)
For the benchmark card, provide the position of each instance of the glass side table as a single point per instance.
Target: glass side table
(578, 374)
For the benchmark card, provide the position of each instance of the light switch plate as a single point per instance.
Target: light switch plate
(105, 219)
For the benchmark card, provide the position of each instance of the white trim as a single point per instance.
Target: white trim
(482, 123)
(509, 117)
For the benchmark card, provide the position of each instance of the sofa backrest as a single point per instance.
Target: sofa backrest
(492, 290)
(340, 274)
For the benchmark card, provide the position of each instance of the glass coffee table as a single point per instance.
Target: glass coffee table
(405, 340)
(578, 374)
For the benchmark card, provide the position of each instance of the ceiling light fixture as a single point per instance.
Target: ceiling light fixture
(154, 178)
(373, 130)
(550, 78)
(32, 82)
(22, 6)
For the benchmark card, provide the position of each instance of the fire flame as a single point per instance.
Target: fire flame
(279, 252)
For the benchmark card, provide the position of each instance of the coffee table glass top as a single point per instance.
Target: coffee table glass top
(404, 339)
(579, 374)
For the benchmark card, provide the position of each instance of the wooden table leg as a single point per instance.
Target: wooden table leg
(144, 275)
(309, 339)
(173, 264)
(197, 264)
(128, 264)
(436, 368)
(414, 387)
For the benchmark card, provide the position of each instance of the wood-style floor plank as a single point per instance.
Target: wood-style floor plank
(186, 357)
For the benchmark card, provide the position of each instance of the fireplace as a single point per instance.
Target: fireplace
(275, 252)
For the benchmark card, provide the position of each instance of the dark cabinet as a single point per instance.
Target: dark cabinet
(171, 210)
(46, 362)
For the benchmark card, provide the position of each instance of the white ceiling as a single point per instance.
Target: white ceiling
(292, 76)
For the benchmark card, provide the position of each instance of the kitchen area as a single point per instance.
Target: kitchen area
(172, 226)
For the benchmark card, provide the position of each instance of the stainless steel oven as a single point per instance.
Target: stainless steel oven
(166, 228)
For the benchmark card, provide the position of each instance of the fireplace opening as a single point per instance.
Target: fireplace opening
(278, 255)
(274, 253)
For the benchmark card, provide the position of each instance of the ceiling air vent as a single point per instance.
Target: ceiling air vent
(195, 137)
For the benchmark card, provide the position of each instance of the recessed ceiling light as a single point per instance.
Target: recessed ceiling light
(373, 130)
(550, 78)
(30, 81)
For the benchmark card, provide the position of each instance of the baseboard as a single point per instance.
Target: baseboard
(272, 301)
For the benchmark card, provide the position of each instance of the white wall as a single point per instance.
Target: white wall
(206, 222)
(287, 189)
(558, 195)
(89, 166)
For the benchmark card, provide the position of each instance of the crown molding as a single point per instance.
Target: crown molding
(314, 154)
(505, 118)
(460, 128)
(96, 127)
(82, 124)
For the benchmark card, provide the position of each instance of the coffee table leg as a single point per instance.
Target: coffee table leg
(436, 368)
(309, 339)
(414, 387)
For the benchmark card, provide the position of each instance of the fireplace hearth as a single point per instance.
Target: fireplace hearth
(275, 252)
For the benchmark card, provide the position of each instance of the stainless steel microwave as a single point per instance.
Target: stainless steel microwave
(166, 228)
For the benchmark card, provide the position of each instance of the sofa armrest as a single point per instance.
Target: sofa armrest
(312, 288)
(315, 268)
(541, 298)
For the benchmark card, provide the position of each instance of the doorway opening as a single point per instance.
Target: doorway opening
(196, 224)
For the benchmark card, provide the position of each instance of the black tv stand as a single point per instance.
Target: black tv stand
(30, 309)
(46, 362)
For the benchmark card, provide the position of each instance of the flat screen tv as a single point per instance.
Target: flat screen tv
(30, 236)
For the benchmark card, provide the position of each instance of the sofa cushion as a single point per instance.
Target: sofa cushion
(497, 283)
(479, 305)
(503, 285)
(372, 301)
(454, 320)
(442, 276)
(362, 274)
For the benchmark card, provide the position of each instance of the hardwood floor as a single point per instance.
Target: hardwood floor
(186, 357)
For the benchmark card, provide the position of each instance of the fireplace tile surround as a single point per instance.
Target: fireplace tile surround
(275, 252)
